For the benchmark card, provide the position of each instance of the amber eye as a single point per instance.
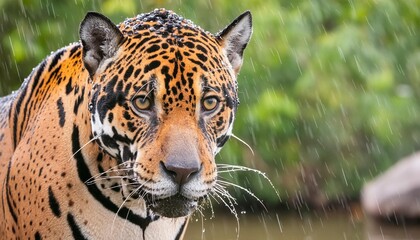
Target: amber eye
(210, 103)
(142, 103)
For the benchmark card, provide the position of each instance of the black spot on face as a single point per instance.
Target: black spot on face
(153, 48)
(222, 140)
(152, 65)
(109, 142)
(128, 72)
(202, 57)
(127, 154)
(219, 122)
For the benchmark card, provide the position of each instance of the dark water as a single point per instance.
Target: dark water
(294, 226)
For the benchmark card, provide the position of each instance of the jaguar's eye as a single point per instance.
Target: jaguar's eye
(142, 103)
(210, 103)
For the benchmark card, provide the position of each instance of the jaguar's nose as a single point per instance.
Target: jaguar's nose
(181, 172)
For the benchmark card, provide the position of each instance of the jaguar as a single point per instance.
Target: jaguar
(115, 136)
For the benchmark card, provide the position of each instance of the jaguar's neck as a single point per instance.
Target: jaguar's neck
(52, 86)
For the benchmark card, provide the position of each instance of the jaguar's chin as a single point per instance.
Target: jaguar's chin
(174, 206)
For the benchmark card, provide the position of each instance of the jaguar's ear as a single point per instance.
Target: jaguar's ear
(235, 37)
(100, 39)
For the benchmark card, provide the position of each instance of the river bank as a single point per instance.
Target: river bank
(345, 224)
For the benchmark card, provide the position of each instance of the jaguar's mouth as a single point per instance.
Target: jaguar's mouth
(174, 206)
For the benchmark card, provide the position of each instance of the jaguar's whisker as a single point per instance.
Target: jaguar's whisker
(227, 168)
(221, 190)
(243, 142)
(114, 169)
(122, 204)
(211, 206)
(121, 174)
(80, 149)
(202, 223)
(226, 183)
(229, 204)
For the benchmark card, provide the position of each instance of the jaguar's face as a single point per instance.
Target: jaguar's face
(164, 102)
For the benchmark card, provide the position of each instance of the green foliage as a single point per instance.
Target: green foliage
(329, 89)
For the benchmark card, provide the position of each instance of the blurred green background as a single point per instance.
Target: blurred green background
(329, 89)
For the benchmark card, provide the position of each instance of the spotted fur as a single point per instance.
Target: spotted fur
(114, 137)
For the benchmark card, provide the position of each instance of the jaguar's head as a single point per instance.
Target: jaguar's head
(163, 101)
